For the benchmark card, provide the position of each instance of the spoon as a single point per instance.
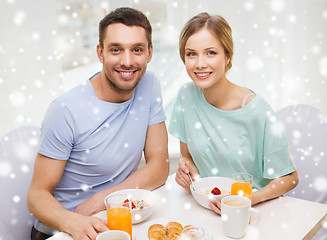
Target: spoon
(188, 173)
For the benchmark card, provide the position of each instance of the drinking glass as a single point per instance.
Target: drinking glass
(194, 233)
(119, 213)
(242, 185)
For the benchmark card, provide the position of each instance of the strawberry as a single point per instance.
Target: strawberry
(126, 204)
(216, 191)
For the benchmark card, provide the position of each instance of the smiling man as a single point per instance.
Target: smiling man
(93, 136)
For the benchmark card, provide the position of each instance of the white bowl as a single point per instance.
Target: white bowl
(202, 185)
(139, 215)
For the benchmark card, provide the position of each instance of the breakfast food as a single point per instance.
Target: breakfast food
(156, 232)
(137, 204)
(171, 231)
(215, 191)
(174, 229)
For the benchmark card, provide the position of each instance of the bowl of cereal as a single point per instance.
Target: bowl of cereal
(141, 201)
(209, 188)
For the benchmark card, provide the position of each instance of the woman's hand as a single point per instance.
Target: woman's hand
(182, 177)
(186, 165)
(216, 205)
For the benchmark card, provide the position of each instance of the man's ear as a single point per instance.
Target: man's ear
(150, 54)
(100, 53)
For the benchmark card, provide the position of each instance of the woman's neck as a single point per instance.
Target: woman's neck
(219, 94)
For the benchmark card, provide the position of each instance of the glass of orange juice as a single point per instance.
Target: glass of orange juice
(242, 185)
(119, 213)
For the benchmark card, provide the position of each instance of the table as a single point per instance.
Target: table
(281, 218)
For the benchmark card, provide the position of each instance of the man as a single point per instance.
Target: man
(94, 135)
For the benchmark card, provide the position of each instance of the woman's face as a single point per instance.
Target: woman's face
(205, 59)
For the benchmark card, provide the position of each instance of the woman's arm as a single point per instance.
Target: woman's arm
(184, 167)
(276, 188)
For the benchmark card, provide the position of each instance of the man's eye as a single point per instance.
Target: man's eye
(138, 50)
(115, 50)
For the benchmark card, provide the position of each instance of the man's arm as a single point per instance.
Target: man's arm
(150, 176)
(41, 203)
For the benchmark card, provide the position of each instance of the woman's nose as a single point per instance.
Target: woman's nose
(201, 62)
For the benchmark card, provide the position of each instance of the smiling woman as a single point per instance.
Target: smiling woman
(221, 125)
(206, 61)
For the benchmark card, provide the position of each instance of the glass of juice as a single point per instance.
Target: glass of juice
(119, 213)
(242, 185)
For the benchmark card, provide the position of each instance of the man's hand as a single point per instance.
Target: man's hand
(92, 205)
(85, 227)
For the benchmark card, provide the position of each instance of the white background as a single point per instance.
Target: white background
(47, 47)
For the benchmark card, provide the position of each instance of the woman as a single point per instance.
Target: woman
(224, 128)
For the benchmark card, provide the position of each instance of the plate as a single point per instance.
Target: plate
(142, 232)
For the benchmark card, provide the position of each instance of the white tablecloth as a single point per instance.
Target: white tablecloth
(282, 218)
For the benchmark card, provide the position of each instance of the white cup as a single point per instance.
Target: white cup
(113, 235)
(235, 215)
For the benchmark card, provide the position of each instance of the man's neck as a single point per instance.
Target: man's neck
(108, 93)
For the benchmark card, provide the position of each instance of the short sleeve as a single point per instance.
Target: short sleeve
(277, 158)
(156, 109)
(177, 124)
(57, 132)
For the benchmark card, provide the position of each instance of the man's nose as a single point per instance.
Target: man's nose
(126, 59)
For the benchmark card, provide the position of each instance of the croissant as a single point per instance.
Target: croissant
(174, 230)
(156, 232)
(186, 226)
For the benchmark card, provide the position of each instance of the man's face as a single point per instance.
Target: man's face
(124, 55)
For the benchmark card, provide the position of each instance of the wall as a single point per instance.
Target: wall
(47, 47)
(30, 66)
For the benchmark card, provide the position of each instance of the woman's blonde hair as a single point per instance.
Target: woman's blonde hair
(214, 23)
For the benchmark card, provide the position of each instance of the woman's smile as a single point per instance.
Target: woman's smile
(203, 75)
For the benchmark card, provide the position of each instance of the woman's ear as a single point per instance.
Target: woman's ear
(227, 59)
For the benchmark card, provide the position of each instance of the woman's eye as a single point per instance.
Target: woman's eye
(190, 54)
(211, 53)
